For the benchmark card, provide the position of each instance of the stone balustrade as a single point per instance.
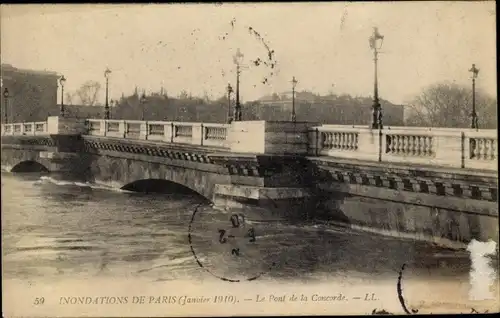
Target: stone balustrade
(442, 147)
(446, 147)
(343, 141)
(200, 134)
(27, 129)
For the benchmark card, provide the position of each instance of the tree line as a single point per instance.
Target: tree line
(450, 105)
(331, 109)
(439, 105)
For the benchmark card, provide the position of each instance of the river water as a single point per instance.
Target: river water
(57, 232)
(56, 229)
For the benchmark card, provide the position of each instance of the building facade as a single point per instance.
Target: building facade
(32, 94)
(330, 109)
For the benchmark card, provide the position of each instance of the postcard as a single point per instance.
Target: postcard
(249, 159)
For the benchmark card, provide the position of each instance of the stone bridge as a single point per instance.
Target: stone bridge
(432, 184)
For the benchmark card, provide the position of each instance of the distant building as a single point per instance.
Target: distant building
(330, 109)
(84, 111)
(32, 93)
(285, 100)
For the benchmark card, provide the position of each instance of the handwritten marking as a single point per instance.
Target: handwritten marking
(381, 312)
(400, 293)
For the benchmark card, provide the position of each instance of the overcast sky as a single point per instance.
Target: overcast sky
(324, 45)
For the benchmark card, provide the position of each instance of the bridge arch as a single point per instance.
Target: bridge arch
(29, 166)
(154, 185)
(128, 174)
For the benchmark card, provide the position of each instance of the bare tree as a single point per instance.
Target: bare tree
(206, 98)
(68, 99)
(183, 95)
(88, 93)
(450, 105)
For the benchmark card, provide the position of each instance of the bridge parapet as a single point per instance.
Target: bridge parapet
(200, 134)
(259, 137)
(438, 147)
(29, 129)
(445, 147)
(54, 125)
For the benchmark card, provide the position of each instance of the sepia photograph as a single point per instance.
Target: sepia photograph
(249, 159)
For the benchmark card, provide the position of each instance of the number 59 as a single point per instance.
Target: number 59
(39, 301)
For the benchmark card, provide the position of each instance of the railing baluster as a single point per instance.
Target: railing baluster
(428, 146)
(493, 149)
(421, 145)
(486, 149)
(480, 148)
(414, 145)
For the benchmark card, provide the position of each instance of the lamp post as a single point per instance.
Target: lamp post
(229, 92)
(6, 97)
(294, 83)
(112, 103)
(107, 72)
(475, 72)
(62, 80)
(143, 103)
(376, 41)
(237, 59)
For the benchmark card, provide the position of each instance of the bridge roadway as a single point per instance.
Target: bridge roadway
(432, 184)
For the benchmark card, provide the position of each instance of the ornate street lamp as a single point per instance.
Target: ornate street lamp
(107, 72)
(229, 92)
(62, 81)
(143, 103)
(376, 41)
(294, 84)
(6, 97)
(237, 59)
(475, 72)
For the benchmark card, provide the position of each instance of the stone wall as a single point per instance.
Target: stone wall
(447, 207)
(443, 226)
